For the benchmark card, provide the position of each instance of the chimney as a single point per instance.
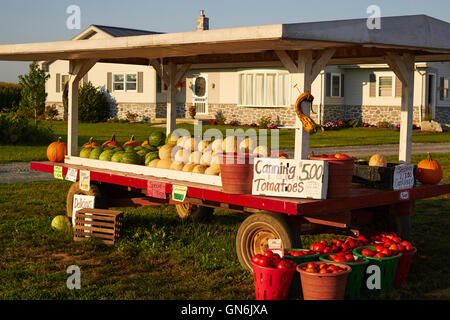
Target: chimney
(202, 21)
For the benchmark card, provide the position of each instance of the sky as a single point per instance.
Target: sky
(23, 21)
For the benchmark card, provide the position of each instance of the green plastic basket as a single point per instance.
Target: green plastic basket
(354, 279)
(388, 267)
(296, 287)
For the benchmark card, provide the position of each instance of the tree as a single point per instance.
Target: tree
(93, 104)
(33, 93)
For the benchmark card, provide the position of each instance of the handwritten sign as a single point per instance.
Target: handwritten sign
(156, 189)
(179, 193)
(85, 180)
(72, 174)
(81, 202)
(403, 177)
(290, 178)
(275, 246)
(58, 172)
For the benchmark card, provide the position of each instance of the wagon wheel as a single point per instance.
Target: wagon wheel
(193, 212)
(74, 189)
(255, 230)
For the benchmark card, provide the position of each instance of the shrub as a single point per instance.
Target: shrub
(9, 96)
(234, 123)
(264, 122)
(273, 125)
(16, 128)
(51, 112)
(131, 117)
(220, 118)
(383, 124)
(353, 123)
(92, 104)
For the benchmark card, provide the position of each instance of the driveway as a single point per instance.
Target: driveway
(20, 171)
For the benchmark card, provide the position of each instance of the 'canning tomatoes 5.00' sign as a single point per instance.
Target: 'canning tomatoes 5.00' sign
(290, 178)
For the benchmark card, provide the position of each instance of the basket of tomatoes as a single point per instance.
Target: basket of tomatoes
(301, 255)
(354, 279)
(323, 280)
(386, 259)
(272, 276)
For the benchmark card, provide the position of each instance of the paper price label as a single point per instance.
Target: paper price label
(179, 193)
(276, 246)
(57, 172)
(72, 174)
(156, 189)
(85, 180)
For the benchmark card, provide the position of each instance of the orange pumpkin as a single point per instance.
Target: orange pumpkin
(111, 143)
(429, 171)
(57, 150)
(131, 142)
(91, 143)
(145, 143)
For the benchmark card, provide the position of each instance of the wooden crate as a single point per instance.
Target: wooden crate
(103, 224)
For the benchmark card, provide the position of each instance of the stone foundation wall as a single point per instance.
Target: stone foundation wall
(443, 115)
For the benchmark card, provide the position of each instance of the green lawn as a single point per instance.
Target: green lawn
(161, 257)
(103, 131)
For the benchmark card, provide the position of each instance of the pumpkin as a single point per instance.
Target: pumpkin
(429, 171)
(90, 143)
(57, 150)
(112, 142)
(131, 142)
(377, 160)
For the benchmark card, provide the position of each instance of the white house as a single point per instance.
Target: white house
(247, 92)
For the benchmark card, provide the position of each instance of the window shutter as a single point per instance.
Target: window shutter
(109, 82)
(372, 85)
(441, 87)
(140, 84)
(58, 82)
(342, 85)
(398, 87)
(327, 84)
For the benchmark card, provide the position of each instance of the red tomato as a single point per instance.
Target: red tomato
(332, 256)
(351, 243)
(340, 259)
(323, 270)
(345, 247)
(264, 261)
(311, 252)
(324, 243)
(326, 250)
(405, 243)
(268, 253)
(311, 265)
(396, 239)
(340, 254)
(386, 252)
(378, 255)
(388, 243)
(318, 247)
(285, 264)
(334, 248)
(394, 249)
(367, 252)
(331, 267)
(322, 265)
(362, 239)
(408, 248)
(349, 258)
(256, 258)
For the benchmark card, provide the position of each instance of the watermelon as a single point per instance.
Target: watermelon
(150, 148)
(142, 153)
(131, 157)
(128, 148)
(157, 138)
(150, 156)
(61, 223)
(106, 155)
(85, 152)
(95, 153)
(138, 148)
(117, 156)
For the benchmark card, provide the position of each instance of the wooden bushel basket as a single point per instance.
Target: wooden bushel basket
(103, 224)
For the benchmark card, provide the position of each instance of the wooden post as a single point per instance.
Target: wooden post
(303, 73)
(171, 100)
(77, 70)
(403, 67)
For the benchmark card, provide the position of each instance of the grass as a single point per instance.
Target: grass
(160, 257)
(123, 131)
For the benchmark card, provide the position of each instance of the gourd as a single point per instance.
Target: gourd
(195, 157)
(164, 163)
(90, 143)
(131, 142)
(204, 145)
(182, 155)
(95, 153)
(229, 144)
(191, 144)
(217, 146)
(199, 169)
(206, 158)
(213, 170)
(165, 152)
(112, 142)
(57, 150)
(189, 167)
(178, 166)
(429, 171)
(117, 156)
(308, 124)
(106, 155)
(378, 160)
(153, 163)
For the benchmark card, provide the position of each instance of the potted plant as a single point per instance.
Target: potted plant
(192, 112)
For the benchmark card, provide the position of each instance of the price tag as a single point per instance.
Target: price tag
(403, 177)
(404, 195)
(81, 202)
(179, 193)
(156, 189)
(72, 174)
(276, 246)
(85, 180)
(57, 172)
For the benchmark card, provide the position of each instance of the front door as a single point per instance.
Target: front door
(200, 94)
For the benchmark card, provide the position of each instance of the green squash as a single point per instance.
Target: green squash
(128, 148)
(95, 153)
(117, 156)
(106, 155)
(149, 157)
(85, 152)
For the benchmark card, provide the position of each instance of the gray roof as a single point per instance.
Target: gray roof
(419, 31)
(124, 32)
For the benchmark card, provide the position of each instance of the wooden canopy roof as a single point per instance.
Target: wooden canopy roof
(426, 38)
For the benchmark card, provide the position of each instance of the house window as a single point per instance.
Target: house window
(64, 81)
(446, 88)
(335, 85)
(264, 88)
(125, 82)
(385, 87)
(159, 87)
